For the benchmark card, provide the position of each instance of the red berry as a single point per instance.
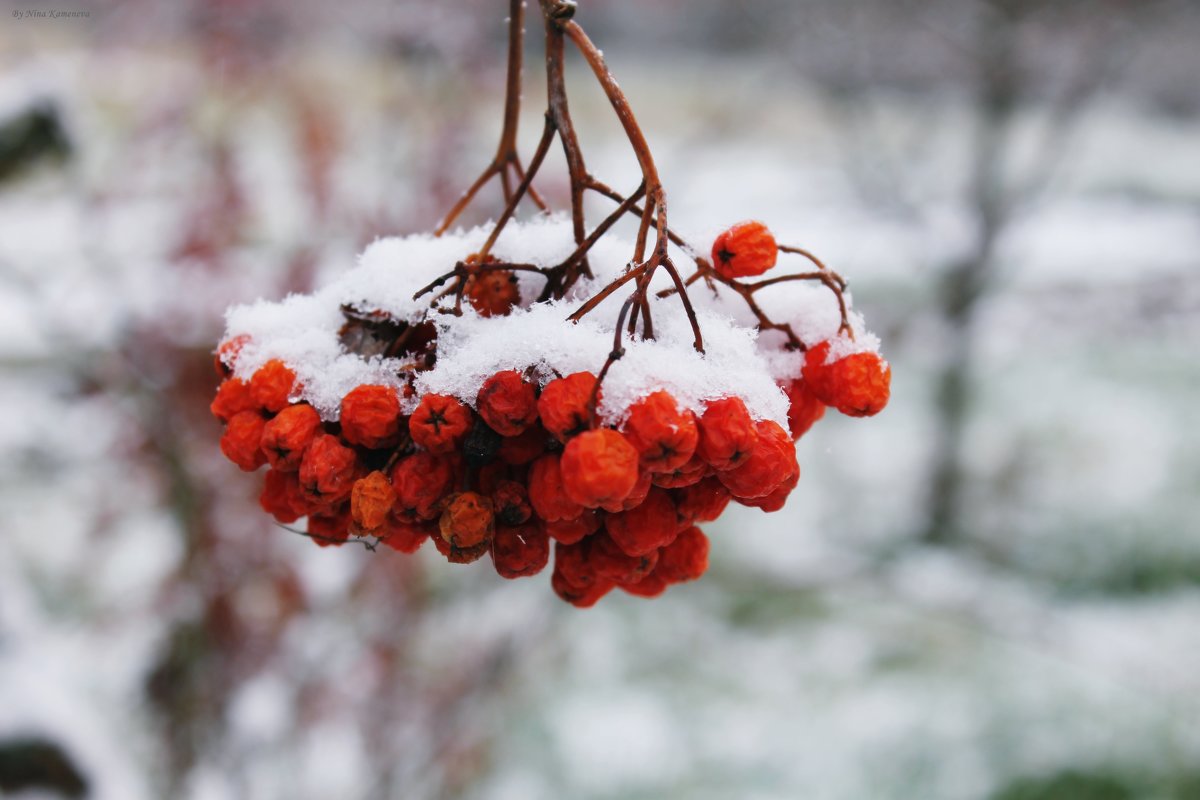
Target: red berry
(288, 434)
(635, 497)
(691, 472)
(440, 423)
(467, 520)
(520, 550)
(511, 501)
(599, 467)
(652, 585)
(226, 356)
(745, 249)
(684, 559)
(771, 463)
(331, 529)
(493, 293)
(857, 385)
(727, 433)
(701, 502)
(608, 561)
(570, 531)
(524, 447)
(328, 471)
(420, 482)
(233, 397)
(776, 499)
(405, 537)
(579, 596)
(565, 404)
(242, 442)
(371, 417)
(281, 496)
(461, 555)
(507, 403)
(272, 384)
(664, 437)
(804, 407)
(647, 527)
(371, 502)
(546, 493)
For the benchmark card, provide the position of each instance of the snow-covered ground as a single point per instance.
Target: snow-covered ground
(151, 619)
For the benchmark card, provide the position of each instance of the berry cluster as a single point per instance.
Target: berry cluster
(527, 461)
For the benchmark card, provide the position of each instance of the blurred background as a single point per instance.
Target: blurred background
(991, 590)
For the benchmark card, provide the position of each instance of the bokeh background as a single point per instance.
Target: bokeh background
(991, 590)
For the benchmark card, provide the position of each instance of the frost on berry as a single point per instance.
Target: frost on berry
(684, 559)
(664, 437)
(327, 471)
(272, 384)
(468, 519)
(519, 551)
(420, 482)
(288, 434)
(727, 434)
(242, 441)
(227, 352)
(507, 403)
(546, 492)
(647, 527)
(805, 409)
(857, 385)
(371, 416)
(371, 501)
(565, 404)
(744, 250)
(599, 467)
(493, 293)
(771, 462)
(233, 397)
(440, 423)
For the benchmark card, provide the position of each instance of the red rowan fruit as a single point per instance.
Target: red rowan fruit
(684, 559)
(635, 497)
(288, 434)
(608, 561)
(493, 293)
(272, 384)
(420, 482)
(700, 502)
(571, 561)
(226, 356)
(570, 531)
(546, 493)
(652, 585)
(599, 467)
(746, 249)
(281, 496)
(511, 501)
(520, 550)
(580, 597)
(525, 447)
(242, 442)
(857, 385)
(406, 537)
(233, 397)
(692, 472)
(770, 464)
(664, 437)
(460, 555)
(467, 520)
(327, 471)
(727, 433)
(507, 403)
(804, 408)
(564, 405)
(776, 499)
(331, 529)
(371, 416)
(647, 527)
(440, 423)
(371, 500)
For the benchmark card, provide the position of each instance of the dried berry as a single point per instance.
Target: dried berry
(493, 293)
(746, 249)
(664, 437)
(288, 434)
(440, 423)
(461, 555)
(507, 403)
(328, 471)
(776, 499)
(242, 442)
(771, 463)
(511, 501)
(804, 408)
(520, 550)
(371, 502)
(701, 502)
(570, 531)
(525, 447)
(652, 585)
(565, 404)
(233, 397)
(599, 467)
(692, 472)
(609, 561)
(467, 520)
(684, 559)
(857, 385)
(546, 493)
(272, 384)
(727, 433)
(571, 561)
(420, 482)
(635, 496)
(647, 527)
(225, 359)
(281, 497)
(404, 536)
(371, 416)
(579, 596)
(331, 529)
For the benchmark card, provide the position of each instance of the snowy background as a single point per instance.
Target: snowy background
(992, 590)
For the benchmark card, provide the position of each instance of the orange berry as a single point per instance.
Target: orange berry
(727, 433)
(857, 385)
(804, 408)
(242, 442)
(493, 293)
(692, 472)
(599, 467)
(371, 501)
(281, 496)
(684, 559)
(507, 403)
(233, 397)
(546, 493)
(608, 561)
(746, 249)
(225, 359)
(664, 437)
(371, 417)
(652, 585)
(440, 423)
(647, 527)
(525, 446)
(288, 434)
(272, 384)
(330, 529)
(570, 531)
(564, 405)
(468, 519)
(520, 550)
(328, 471)
(420, 482)
(770, 464)
(405, 537)
(461, 555)
(701, 502)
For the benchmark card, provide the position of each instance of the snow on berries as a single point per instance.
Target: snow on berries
(504, 411)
